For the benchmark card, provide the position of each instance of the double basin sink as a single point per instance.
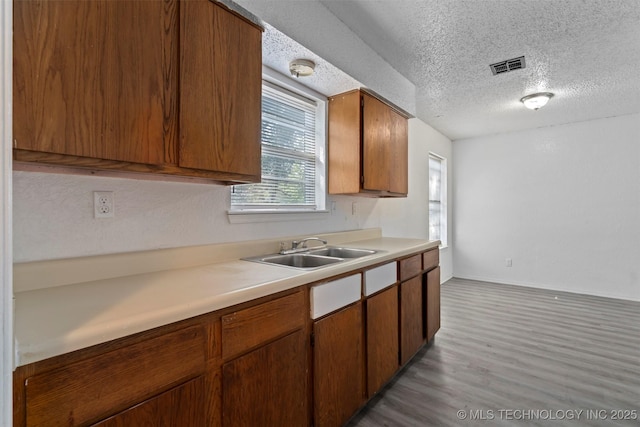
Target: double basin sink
(313, 258)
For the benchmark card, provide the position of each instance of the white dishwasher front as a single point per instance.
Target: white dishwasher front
(331, 296)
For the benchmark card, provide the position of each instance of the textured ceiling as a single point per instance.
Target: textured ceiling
(587, 52)
(432, 57)
(278, 50)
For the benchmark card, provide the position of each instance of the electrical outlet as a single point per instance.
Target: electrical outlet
(103, 204)
(508, 262)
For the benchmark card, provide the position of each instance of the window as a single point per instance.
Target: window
(438, 198)
(293, 151)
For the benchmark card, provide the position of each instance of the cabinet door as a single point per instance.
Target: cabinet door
(376, 131)
(433, 303)
(267, 386)
(344, 143)
(96, 78)
(338, 365)
(411, 333)
(220, 90)
(382, 338)
(90, 389)
(181, 406)
(399, 154)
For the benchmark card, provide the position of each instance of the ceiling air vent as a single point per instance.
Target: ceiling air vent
(508, 65)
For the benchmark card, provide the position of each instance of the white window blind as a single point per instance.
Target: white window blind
(288, 155)
(437, 199)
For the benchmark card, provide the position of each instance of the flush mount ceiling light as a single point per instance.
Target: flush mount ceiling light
(301, 67)
(536, 100)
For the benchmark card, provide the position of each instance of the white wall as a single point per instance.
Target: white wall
(410, 217)
(563, 202)
(53, 216)
(53, 213)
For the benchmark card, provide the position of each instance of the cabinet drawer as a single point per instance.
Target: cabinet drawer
(379, 278)
(410, 267)
(94, 388)
(251, 327)
(336, 294)
(431, 259)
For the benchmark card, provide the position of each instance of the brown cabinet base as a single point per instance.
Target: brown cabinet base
(411, 329)
(432, 303)
(177, 375)
(382, 339)
(338, 366)
(267, 386)
(245, 365)
(180, 406)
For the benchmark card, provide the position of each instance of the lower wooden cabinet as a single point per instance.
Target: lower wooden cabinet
(432, 303)
(242, 367)
(264, 375)
(97, 386)
(267, 386)
(249, 365)
(382, 338)
(338, 366)
(411, 318)
(180, 406)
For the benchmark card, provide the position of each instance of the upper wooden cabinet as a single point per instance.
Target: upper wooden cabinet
(220, 91)
(167, 87)
(95, 79)
(368, 146)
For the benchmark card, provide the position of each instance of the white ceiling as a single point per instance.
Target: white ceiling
(587, 52)
(278, 50)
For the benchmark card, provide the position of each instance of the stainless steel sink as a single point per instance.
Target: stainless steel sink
(304, 260)
(342, 252)
(312, 258)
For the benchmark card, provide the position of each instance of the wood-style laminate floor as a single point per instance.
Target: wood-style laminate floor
(517, 356)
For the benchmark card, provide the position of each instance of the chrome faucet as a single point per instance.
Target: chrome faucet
(299, 245)
(295, 244)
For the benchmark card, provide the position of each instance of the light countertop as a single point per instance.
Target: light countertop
(61, 319)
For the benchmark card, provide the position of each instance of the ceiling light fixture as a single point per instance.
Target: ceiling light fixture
(536, 100)
(301, 67)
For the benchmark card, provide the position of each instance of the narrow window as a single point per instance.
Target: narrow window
(438, 198)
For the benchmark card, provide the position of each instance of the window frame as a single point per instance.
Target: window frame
(443, 198)
(292, 87)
